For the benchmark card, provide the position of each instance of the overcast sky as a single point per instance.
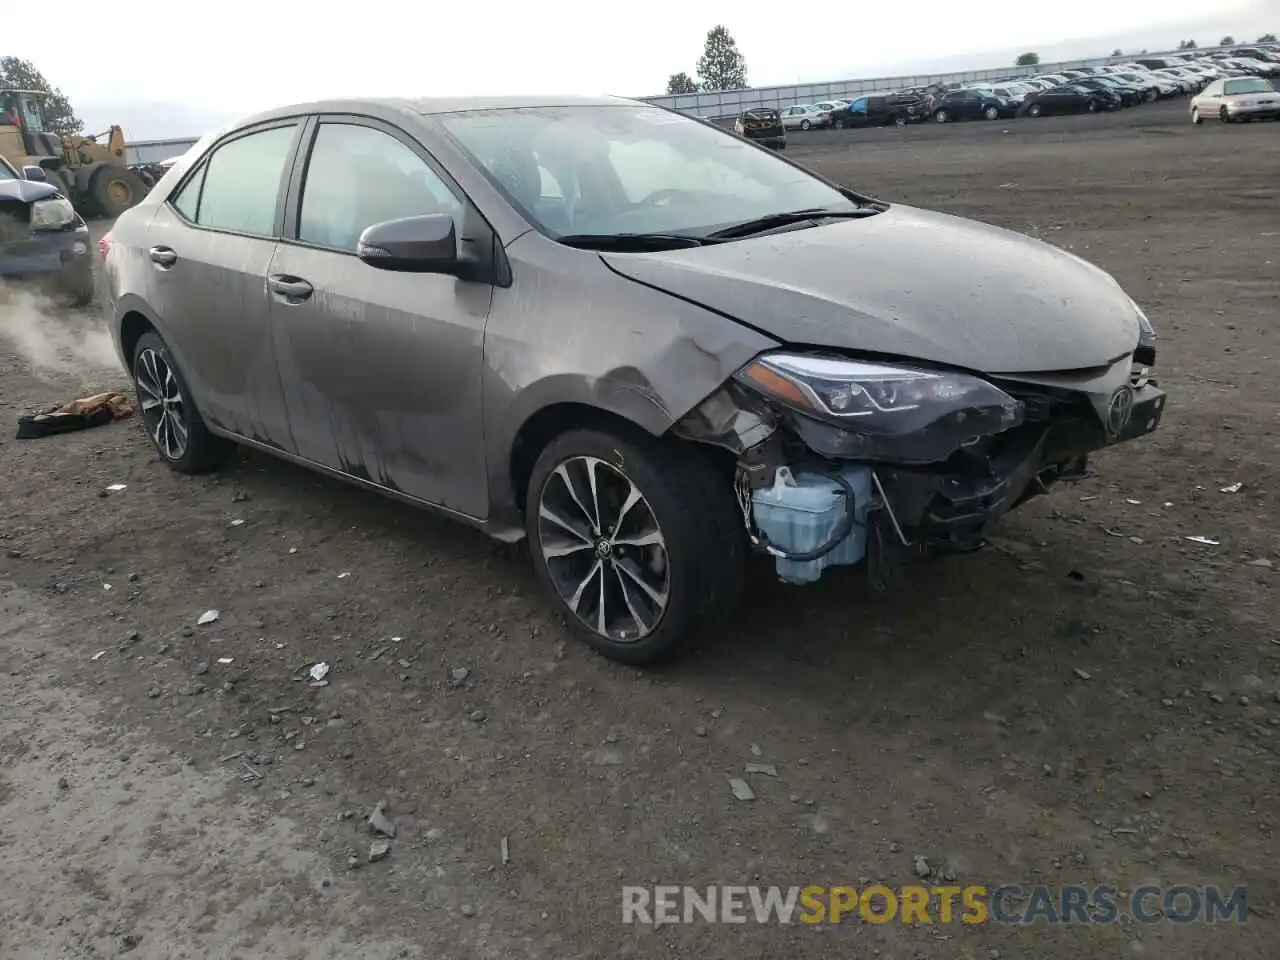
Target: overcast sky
(201, 64)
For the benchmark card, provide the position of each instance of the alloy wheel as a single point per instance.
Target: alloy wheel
(603, 548)
(163, 408)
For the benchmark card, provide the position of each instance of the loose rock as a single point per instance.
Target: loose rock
(378, 850)
(379, 822)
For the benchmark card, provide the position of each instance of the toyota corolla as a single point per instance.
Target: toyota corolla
(646, 346)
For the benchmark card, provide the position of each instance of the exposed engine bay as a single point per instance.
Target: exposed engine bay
(841, 461)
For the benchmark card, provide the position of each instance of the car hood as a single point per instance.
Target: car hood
(908, 283)
(26, 191)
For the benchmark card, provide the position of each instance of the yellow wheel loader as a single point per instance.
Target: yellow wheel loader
(92, 172)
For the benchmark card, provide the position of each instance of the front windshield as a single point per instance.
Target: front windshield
(627, 168)
(1249, 85)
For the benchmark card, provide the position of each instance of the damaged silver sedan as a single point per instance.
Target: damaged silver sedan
(646, 345)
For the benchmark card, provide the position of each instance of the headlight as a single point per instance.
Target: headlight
(52, 214)
(1146, 332)
(882, 412)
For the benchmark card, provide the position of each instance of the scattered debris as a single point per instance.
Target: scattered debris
(208, 617)
(1232, 487)
(1261, 562)
(98, 655)
(741, 789)
(344, 574)
(318, 671)
(378, 850)
(506, 852)
(378, 821)
(1082, 673)
(1204, 540)
(1134, 503)
(459, 675)
(237, 523)
(225, 660)
(477, 716)
(768, 769)
(116, 487)
(755, 750)
(467, 910)
(699, 731)
(921, 867)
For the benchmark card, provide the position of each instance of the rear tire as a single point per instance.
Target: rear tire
(1195, 116)
(115, 190)
(941, 116)
(1224, 116)
(805, 125)
(184, 443)
(991, 113)
(1034, 110)
(692, 556)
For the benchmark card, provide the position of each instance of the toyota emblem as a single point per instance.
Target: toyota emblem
(1120, 411)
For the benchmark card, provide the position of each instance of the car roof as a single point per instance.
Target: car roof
(434, 105)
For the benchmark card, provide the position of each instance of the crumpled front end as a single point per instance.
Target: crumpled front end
(841, 461)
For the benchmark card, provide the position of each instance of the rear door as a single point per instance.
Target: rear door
(381, 370)
(209, 246)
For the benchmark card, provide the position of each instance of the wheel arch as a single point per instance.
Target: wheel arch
(560, 403)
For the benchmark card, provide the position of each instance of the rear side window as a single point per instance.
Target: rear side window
(187, 199)
(238, 186)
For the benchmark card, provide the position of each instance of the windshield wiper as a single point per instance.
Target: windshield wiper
(773, 220)
(632, 242)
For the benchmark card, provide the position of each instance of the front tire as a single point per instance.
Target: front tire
(1195, 116)
(1034, 110)
(636, 541)
(1224, 116)
(805, 124)
(168, 414)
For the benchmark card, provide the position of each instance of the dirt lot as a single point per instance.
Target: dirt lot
(1097, 702)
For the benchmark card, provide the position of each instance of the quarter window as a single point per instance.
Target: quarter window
(237, 188)
(358, 176)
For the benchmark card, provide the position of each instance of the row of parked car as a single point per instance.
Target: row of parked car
(1081, 90)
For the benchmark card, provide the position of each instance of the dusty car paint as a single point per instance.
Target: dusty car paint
(926, 286)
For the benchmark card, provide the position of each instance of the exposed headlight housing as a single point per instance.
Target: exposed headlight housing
(878, 411)
(52, 214)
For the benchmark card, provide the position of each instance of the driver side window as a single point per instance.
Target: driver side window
(358, 176)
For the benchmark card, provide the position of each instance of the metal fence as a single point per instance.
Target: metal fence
(153, 151)
(731, 103)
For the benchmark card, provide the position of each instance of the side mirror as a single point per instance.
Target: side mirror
(35, 174)
(426, 244)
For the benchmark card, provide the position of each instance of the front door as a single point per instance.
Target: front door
(381, 370)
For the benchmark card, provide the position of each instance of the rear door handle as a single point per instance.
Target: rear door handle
(289, 289)
(163, 256)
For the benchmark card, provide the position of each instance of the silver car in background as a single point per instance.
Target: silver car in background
(804, 117)
(1237, 99)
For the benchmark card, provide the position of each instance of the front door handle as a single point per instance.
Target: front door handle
(290, 289)
(163, 256)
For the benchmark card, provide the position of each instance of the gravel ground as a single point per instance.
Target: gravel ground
(1098, 701)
